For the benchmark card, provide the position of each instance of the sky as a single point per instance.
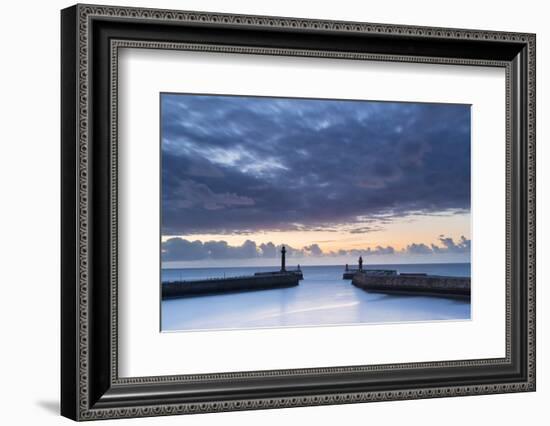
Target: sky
(329, 179)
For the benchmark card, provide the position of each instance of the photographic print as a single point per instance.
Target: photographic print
(256, 182)
(294, 212)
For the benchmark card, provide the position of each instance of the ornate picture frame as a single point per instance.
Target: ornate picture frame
(91, 37)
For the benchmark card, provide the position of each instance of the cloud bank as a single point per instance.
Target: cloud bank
(180, 249)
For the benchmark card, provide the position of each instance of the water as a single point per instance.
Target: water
(322, 298)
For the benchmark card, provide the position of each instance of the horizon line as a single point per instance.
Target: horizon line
(305, 266)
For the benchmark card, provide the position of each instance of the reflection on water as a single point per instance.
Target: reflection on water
(322, 298)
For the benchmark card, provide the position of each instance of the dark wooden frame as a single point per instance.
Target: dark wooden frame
(90, 386)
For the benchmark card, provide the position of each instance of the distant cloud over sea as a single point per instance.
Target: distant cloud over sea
(181, 250)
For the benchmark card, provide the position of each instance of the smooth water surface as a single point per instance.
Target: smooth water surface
(321, 298)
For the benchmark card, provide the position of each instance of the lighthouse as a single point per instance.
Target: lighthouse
(283, 259)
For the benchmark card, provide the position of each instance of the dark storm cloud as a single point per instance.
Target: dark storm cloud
(180, 249)
(242, 164)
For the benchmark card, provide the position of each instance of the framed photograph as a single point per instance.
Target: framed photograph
(263, 212)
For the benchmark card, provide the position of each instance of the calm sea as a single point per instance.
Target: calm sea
(322, 298)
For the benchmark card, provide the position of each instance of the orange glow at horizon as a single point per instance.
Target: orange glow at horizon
(398, 234)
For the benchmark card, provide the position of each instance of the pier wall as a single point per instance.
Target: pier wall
(414, 284)
(349, 273)
(228, 285)
(296, 272)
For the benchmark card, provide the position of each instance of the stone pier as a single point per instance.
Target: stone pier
(417, 284)
(258, 281)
